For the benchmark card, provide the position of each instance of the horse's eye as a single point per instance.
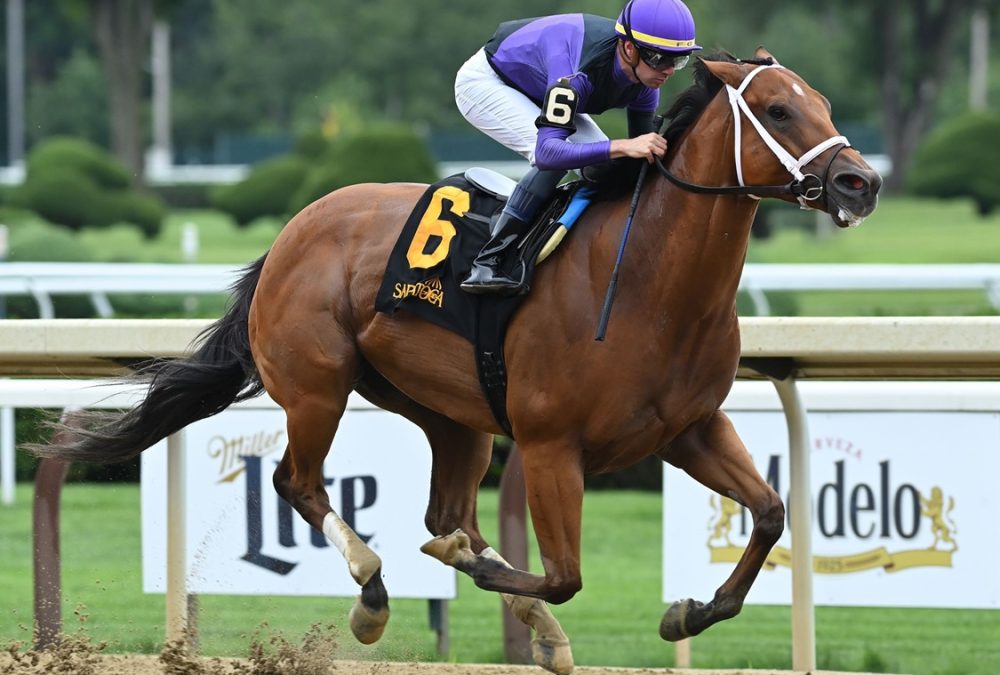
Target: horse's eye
(777, 113)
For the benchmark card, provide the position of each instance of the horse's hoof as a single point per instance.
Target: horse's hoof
(673, 625)
(554, 656)
(367, 625)
(449, 548)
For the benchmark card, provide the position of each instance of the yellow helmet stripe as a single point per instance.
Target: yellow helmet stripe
(653, 40)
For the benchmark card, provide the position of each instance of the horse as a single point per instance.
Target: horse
(302, 325)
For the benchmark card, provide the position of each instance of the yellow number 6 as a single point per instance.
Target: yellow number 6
(432, 225)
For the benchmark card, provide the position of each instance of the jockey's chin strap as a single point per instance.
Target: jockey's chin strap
(806, 187)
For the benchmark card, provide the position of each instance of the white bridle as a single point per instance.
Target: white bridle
(792, 165)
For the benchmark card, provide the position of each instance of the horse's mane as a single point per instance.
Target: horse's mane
(618, 176)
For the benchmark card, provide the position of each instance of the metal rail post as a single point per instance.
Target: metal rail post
(177, 599)
(45, 533)
(514, 549)
(800, 505)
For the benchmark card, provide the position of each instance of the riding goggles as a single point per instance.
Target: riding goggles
(658, 60)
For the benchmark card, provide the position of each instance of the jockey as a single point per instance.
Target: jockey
(533, 87)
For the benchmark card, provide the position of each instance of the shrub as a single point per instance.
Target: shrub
(317, 184)
(37, 241)
(265, 192)
(65, 197)
(286, 184)
(185, 195)
(311, 145)
(143, 210)
(381, 154)
(76, 154)
(961, 159)
(73, 183)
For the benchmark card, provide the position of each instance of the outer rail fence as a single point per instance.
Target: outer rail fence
(42, 281)
(783, 350)
(758, 278)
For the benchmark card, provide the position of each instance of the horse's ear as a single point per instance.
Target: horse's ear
(762, 54)
(730, 73)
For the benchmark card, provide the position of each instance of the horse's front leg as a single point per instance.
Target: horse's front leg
(712, 453)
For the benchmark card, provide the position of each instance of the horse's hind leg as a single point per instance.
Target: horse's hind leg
(554, 484)
(461, 457)
(714, 455)
(314, 396)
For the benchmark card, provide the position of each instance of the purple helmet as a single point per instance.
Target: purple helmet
(664, 25)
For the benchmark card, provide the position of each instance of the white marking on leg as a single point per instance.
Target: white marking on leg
(490, 552)
(550, 648)
(361, 560)
(337, 531)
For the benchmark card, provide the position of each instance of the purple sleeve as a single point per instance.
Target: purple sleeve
(553, 151)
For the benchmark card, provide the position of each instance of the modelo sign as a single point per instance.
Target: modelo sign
(243, 539)
(904, 510)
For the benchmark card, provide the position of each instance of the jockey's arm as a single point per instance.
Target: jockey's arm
(553, 150)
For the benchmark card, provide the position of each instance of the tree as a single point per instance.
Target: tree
(122, 29)
(893, 55)
(917, 43)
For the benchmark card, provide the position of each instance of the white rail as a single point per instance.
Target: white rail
(759, 278)
(98, 280)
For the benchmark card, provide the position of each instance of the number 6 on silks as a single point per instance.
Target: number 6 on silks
(558, 106)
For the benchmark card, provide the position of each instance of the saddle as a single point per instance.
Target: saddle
(434, 253)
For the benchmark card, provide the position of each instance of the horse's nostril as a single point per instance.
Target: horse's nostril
(852, 181)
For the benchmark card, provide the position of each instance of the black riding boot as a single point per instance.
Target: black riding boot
(486, 275)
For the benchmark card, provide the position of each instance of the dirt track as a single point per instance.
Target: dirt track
(152, 665)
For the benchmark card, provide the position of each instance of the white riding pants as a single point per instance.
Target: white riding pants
(505, 114)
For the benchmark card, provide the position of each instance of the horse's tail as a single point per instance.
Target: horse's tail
(220, 372)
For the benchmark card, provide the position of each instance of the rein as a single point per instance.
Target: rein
(805, 188)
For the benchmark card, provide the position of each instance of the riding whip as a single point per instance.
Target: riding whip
(609, 298)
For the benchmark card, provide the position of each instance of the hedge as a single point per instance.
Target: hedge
(73, 183)
(265, 191)
(383, 154)
(961, 159)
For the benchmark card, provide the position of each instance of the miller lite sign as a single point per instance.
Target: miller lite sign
(243, 539)
(903, 506)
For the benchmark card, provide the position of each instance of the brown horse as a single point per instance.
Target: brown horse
(303, 326)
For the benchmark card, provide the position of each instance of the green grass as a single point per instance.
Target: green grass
(902, 230)
(613, 621)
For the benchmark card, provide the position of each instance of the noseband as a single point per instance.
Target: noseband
(806, 187)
